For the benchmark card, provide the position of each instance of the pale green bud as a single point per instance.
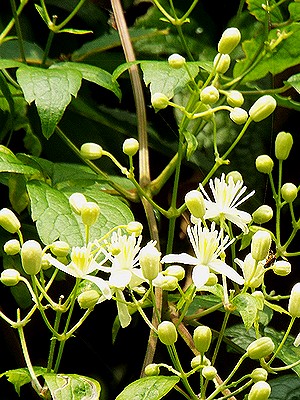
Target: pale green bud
(10, 277)
(46, 263)
(152, 370)
(167, 332)
(212, 279)
(60, 248)
(209, 372)
(134, 227)
(209, 95)
(238, 115)
(88, 299)
(294, 301)
(282, 267)
(235, 175)
(260, 245)
(283, 145)
(259, 374)
(253, 272)
(229, 40)
(31, 256)
(130, 147)
(264, 164)
(77, 201)
(262, 108)
(90, 213)
(175, 270)
(91, 151)
(150, 261)
(222, 63)
(195, 203)
(176, 61)
(261, 390)
(262, 214)
(196, 361)
(235, 98)
(167, 282)
(9, 221)
(202, 338)
(12, 247)
(289, 192)
(260, 348)
(159, 101)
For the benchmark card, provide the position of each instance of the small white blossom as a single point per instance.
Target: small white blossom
(208, 245)
(227, 196)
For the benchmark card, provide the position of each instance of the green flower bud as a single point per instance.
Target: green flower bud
(77, 201)
(260, 348)
(235, 98)
(91, 151)
(212, 279)
(88, 299)
(262, 108)
(10, 277)
(282, 267)
(46, 263)
(12, 247)
(175, 270)
(260, 245)
(264, 164)
(261, 390)
(31, 256)
(150, 261)
(176, 61)
(202, 338)
(90, 213)
(259, 374)
(229, 40)
(196, 361)
(195, 203)
(9, 221)
(130, 147)
(209, 372)
(167, 332)
(159, 101)
(235, 175)
(283, 145)
(294, 301)
(152, 370)
(167, 282)
(209, 95)
(289, 192)
(222, 63)
(238, 115)
(134, 227)
(60, 248)
(262, 214)
(253, 272)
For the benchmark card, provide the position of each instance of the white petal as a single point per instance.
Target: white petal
(182, 258)
(102, 285)
(200, 275)
(120, 278)
(221, 267)
(69, 269)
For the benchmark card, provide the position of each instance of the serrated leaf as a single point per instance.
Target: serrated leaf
(20, 376)
(72, 387)
(294, 81)
(10, 163)
(51, 90)
(285, 387)
(258, 9)
(247, 307)
(149, 388)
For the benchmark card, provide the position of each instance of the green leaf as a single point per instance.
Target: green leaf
(4, 64)
(20, 376)
(75, 31)
(294, 9)
(149, 388)
(258, 9)
(287, 102)
(285, 387)
(51, 89)
(10, 163)
(247, 307)
(165, 79)
(294, 81)
(72, 387)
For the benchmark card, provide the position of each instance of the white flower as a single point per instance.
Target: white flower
(227, 197)
(253, 271)
(208, 245)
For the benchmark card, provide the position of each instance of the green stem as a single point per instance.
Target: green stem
(47, 48)
(10, 25)
(53, 342)
(286, 334)
(18, 29)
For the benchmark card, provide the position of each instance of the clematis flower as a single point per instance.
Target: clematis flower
(227, 196)
(208, 245)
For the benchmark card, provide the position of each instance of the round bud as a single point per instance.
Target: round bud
(77, 201)
(283, 145)
(196, 361)
(262, 214)
(262, 108)
(12, 247)
(261, 390)
(212, 279)
(259, 374)
(91, 151)
(229, 40)
(134, 227)
(264, 164)
(31, 256)
(238, 115)
(222, 63)
(9, 221)
(202, 338)
(60, 248)
(289, 192)
(159, 101)
(209, 372)
(150, 261)
(195, 203)
(130, 147)
(209, 95)
(260, 348)
(235, 98)
(46, 263)
(260, 245)
(90, 213)
(282, 268)
(253, 272)
(235, 175)
(10, 277)
(167, 332)
(175, 270)
(294, 301)
(88, 299)
(152, 370)
(167, 282)
(176, 61)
